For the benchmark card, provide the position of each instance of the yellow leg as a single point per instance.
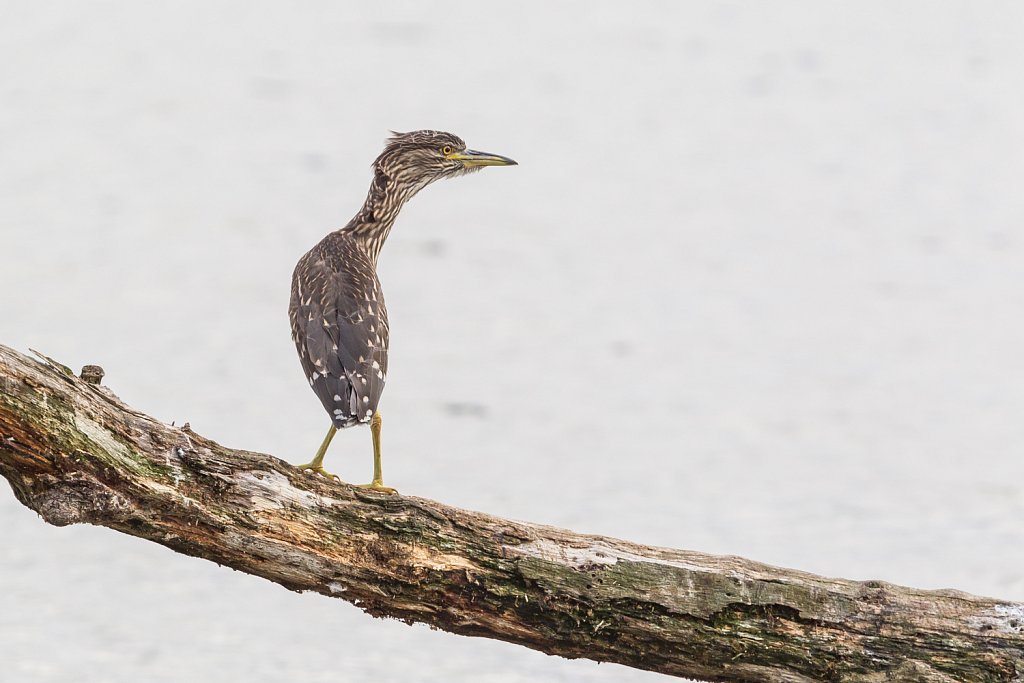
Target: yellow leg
(378, 478)
(316, 466)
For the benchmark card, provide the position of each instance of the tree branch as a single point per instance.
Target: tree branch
(73, 452)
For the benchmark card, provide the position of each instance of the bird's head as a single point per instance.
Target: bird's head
(418, 158)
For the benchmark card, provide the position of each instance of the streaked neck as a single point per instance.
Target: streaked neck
(372, 225)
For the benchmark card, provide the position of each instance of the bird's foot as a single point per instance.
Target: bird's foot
(376, 485)
(317, 469)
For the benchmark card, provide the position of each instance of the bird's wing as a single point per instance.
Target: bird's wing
(340, 328)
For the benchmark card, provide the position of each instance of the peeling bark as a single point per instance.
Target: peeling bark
(74, 453)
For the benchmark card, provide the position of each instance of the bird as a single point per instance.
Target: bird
(338, 319)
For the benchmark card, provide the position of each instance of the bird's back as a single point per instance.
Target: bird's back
(340, 327)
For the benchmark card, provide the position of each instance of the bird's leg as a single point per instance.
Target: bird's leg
(378, 478)
(316, 466)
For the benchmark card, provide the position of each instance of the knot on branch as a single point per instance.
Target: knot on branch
(93, 374)
(74, 499)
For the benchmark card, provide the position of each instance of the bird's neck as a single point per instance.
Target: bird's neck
(372, 225)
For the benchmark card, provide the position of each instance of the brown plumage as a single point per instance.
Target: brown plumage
(338, 318)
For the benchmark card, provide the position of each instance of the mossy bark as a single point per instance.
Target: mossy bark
(75, 453)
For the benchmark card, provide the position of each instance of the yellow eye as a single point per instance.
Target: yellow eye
(446, 150)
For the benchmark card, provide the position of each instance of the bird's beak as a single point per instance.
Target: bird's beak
(471, 158)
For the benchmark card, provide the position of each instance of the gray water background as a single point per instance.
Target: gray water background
(755, 288)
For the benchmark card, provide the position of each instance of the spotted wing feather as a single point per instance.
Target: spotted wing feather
(340, 329)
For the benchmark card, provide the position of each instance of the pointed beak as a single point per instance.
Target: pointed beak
(471, 158)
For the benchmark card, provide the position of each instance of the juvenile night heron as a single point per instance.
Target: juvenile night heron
(339, 323)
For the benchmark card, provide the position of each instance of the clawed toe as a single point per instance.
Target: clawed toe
(317, 469)
(378, 486)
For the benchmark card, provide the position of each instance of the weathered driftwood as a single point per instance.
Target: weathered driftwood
(75, 453)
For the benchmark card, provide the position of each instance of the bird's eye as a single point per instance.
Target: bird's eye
(446, 150)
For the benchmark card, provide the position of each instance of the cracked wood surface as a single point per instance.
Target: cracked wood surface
(74, 453)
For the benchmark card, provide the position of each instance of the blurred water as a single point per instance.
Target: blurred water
(755, 288)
